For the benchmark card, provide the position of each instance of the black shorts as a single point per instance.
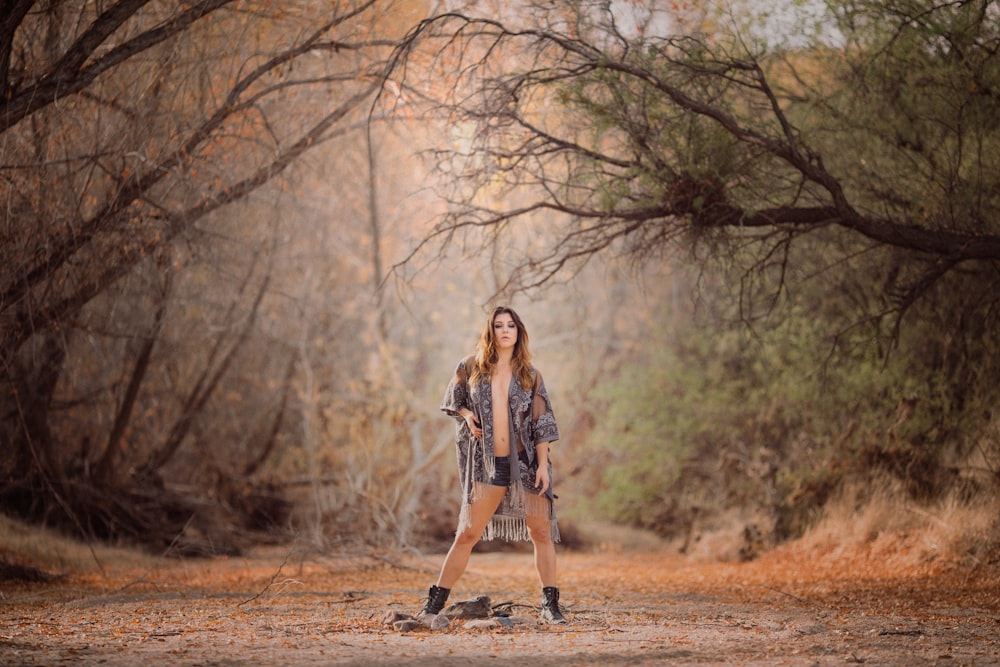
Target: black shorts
(501, 467)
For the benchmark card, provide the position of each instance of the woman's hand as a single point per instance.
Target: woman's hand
(542, 480)
(470, 421)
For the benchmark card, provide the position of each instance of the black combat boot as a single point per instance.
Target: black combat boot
(436, 597)
(550, 607)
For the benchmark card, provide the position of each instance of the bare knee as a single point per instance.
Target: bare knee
(540, 535)
(466, 538)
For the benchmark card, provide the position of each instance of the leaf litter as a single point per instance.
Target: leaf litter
(798, 604)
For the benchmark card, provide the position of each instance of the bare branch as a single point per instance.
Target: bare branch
(70, 76)
(628, 174)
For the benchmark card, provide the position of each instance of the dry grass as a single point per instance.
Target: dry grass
(886, 526)
(883, 530)
(54, 553)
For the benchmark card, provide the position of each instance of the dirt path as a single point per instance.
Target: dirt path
(281, 608)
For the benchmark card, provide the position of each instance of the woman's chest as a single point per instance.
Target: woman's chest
(500, 388)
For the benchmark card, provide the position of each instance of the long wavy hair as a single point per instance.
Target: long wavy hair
(487, 355)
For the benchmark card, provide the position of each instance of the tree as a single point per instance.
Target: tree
(642, 143)
(133, 132)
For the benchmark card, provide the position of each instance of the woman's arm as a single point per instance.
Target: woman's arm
(457, 400)
(542, 453)
(542, 480)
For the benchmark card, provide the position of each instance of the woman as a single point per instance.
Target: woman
(505, 427)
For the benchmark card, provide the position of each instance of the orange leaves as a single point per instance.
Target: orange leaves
(627, 608)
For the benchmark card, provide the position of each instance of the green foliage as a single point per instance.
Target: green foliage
(681, 408)
(817, 354)
(715, 414)
(913, 98)
(652, 144)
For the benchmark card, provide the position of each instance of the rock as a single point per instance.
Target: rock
(478, 608)
(435, 621)
(392, 617)
(481, 624)
(440, 622)
(407, 625)
(504, 621)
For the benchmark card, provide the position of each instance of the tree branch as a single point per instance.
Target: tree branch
(69, 76)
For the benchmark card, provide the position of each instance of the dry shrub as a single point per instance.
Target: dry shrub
(731, 535)
(602, 536)
(54, 553)
(879, 521)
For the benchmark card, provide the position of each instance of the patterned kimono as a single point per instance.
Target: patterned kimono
(531, 423)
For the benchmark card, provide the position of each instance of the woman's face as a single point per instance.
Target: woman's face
(504, 331)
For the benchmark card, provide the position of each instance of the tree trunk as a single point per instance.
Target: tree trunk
(33, 470)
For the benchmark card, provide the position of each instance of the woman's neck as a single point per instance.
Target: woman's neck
(504, 358)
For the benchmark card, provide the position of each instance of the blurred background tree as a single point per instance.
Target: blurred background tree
(151, 209)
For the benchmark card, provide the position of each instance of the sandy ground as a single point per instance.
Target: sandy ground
(282, 607)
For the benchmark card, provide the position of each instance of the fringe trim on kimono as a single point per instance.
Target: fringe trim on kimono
(509, 523)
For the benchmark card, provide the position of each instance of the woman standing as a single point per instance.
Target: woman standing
(505, 427)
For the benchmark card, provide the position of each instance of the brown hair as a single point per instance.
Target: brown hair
(487, 355)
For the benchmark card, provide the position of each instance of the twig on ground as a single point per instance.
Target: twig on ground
(270, 583)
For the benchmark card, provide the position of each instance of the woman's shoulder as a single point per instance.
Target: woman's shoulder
(537, 382)
(466, 364)
(534, 378)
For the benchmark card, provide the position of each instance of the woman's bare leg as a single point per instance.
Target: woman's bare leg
(482, 510)
(539, 530)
